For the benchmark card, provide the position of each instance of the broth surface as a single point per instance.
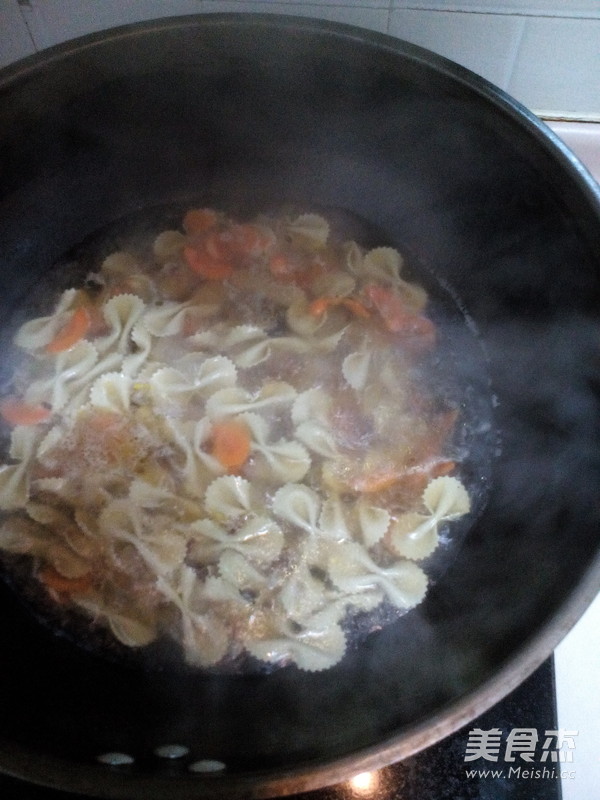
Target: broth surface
(256, 439)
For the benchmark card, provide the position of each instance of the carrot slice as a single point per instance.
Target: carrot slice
(207, 266)
(413, 478)
(376, 482)
(219, 245)
(198, 220)
(52, 579)
(304, 278)
(280, 266)
(231, 444)
(321, 304)
(251, 239)
(16, 412)
(397, 317)
(72, 332)
(356, 307)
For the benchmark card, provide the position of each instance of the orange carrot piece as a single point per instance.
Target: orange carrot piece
(376, 482)
(356, 307)
(321, 304)
(72, 332)
(205, 265)
(230, 444)
(52, 579)
(397, 317)
(287, 270)
(16, 412)
(304, 278)
(280, 266)
(219, 245)
(93, 305)
(442, 468)
(412, 478)
(198, 220)
(251, 239)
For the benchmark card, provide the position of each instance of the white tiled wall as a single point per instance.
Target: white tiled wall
(546, 53)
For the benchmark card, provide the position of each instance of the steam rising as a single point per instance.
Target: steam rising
(447, 172)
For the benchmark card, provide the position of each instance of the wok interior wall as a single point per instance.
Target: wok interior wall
(521, 254)
(543, 52)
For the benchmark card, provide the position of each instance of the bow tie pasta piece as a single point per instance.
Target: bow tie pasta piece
(333, 522)
(259, 539)
(301, 321)
(38, 333)
(15, 478)
(344, 519)
(228, 497)
(190, 439)
(182, 319)
(161, 551)
(352, 257)
(168, 319)
(318, 645)
(172, 389)
(446, 498)
(373, 522)
(121, 313)
(78, 541)
(308, 230)
(68, 376)
(132, 632)
(111, 392)
(303, 594)
(205, 635)
(205, 639)
(168, 245)
(147, 496)
(281, 461)
(334, 283)
(235, 400)
(413, 536)
(141, 345)
(61, 562)
(129, 630)
(246, 345)
(19, 535)
(355, 369)
(382, 263)
(216, 590)
(237, 571)
(298, 504)
(313, 404)
(207, 375)
(352, 571)
(311, 414)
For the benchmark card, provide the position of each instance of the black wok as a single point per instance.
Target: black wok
(245, 113)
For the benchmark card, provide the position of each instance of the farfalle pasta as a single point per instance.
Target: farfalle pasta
(226, 438)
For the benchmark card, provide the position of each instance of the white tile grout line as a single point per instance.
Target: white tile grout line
(565, 13)
(23, 5)
(512, 62)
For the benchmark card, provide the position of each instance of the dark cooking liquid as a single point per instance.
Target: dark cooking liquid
(456, 372)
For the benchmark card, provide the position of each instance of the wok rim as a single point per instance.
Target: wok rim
(96, 780)
(100, 781)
